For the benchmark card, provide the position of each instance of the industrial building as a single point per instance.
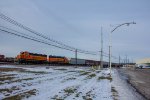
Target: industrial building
(143, 63)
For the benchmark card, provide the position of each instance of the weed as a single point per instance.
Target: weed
(71, 78)
(61, 69)
(113, 89)
(77, 95)
(19, 80)
(88, 96)
(85, 73)
(56, 97)
(72, 71)
(6, 78)
(11, 69)
(35, 72)
(7, 75)
(91, 75)
(105, 77)
(22, 95)
(114, 93)
(69, 90)
(67, 79)
(5, 90)
(81, 71)
(98, 71)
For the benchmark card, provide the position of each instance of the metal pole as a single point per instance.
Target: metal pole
(126, 61)
(101, 56)
(119, 60)
(110, 51)
(76, 56)
(99, 60)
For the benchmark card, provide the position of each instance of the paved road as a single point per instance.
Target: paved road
(139, 79)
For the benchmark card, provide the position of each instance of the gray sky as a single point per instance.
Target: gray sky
(77, 23)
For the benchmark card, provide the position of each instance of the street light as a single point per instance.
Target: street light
(110, 41)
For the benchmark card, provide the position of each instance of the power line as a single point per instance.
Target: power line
(6, 18)
(19, 34)
(12, 33)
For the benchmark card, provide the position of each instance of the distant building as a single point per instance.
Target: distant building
(143, 63)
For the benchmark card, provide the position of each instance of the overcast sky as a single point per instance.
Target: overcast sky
(78, 23)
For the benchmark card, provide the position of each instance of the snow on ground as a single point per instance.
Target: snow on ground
(62, 83)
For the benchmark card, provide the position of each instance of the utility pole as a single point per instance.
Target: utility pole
(110, 53)
(126, 61)
(101, 56)
(76, 56)
(119, 60)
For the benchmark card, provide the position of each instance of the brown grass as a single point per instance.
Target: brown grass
(105, 77)
(114, 93)
(11, 69)
(91, 75)
(85, 73)
(6, 78)
(22, 95)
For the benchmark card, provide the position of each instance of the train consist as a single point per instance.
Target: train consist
(27, 58)
(4, 59)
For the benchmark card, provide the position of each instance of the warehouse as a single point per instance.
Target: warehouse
(143, 63)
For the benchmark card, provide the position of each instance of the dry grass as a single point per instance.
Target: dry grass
(5, 90)
(7, 75)
(105, 77)
(91, 75)
(88, 96)
(56, 97)
(61, 69)
(34, 72)
(21, 70)
(84, 73)
(70, 90)
(11, 69)
(6, 78)
(114, 93)
(22, 95)
(25, 79)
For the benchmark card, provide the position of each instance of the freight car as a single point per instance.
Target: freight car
(58, 60)
(79, 61)
(9, 59)
(2, 58)
(92, 62)
(27, 57)
(73, 61)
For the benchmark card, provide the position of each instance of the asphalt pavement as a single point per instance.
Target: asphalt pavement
(139, 79)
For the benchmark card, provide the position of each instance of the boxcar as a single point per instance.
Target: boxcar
(79, 61)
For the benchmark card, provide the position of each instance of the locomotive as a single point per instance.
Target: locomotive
(57, 60)
(27, 57)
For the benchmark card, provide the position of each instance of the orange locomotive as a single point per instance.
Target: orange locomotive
(26, 57)
(57, 60)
